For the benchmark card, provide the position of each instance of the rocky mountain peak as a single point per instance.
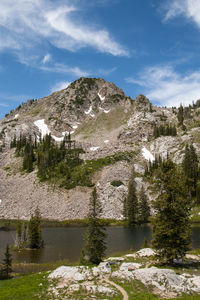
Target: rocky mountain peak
(142, 103)
(115, 132)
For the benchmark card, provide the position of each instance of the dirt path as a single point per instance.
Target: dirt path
(118, 287)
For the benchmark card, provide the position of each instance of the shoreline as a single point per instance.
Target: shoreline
(11, 224)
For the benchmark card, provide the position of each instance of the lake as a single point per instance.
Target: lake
(66, 243)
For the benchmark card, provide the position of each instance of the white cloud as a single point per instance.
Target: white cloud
(4, 104)
(60, 86)
(61, 68)
(165, 86)
(188, 8)
(104, 72)
(46, 58)
(31, 23)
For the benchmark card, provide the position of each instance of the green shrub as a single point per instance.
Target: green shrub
(116, 183)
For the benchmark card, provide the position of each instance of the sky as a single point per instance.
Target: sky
(149, 47)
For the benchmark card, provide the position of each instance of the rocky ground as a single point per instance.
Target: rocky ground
(110, 277)
(21, 193)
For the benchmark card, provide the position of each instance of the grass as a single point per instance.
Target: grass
(27, 287)
(194, 251)
(136, 290)
(11, 224)
(29, 268)
(83, 294)
(36, 286)
(104, 122)
(81, 174)
(195, 214)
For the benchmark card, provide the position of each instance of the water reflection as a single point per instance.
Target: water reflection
(66, 243)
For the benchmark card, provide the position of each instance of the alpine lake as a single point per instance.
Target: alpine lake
(66, 242)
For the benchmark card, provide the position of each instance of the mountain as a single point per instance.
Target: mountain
(107, 125)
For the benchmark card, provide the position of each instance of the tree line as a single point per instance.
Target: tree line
(52, 160)
(164, 130)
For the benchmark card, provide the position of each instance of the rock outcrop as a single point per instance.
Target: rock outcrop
(165, 282)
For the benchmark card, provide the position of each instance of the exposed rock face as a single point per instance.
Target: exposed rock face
(142, 103)
(66, 109)
(103, 121)
(167, 280)
(164, 282)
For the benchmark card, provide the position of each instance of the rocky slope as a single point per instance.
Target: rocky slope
(103, 121)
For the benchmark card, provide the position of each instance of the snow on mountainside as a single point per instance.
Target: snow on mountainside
(103, 121)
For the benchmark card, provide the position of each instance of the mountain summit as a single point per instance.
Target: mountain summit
(114, 133)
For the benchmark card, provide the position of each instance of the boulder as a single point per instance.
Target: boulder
(163, 279)
(71, 273)
(104, 267)
(129, 266)
(145, 252)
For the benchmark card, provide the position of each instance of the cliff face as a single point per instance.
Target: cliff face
(103, 121)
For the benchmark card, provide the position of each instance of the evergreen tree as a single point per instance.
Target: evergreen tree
(94, 247)
(145, 243)
(190, 166)
(180, 115)
(34, 231)
(131, 202)
(7, 263)
(28, 157)
(18, 240)
(21, 235)
(198, 192)
(171, 226)
(143, 207)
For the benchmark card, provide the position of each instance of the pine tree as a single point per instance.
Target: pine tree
(198, 192)
(145, 243)
(21, 235)
(171, 226)
(34, 231)
(131, 202)
(7, 263)
(18, 240)
(190, 166)
(143, 207)
(28, 157)
(94, 247)
(180, 115)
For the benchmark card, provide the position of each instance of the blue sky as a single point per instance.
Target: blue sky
(143, 46)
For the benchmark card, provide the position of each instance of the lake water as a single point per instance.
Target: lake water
(66, 243)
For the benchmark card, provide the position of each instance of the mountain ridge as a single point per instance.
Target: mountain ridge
(103, 121)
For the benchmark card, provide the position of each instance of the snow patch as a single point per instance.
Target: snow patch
(104, 110)
(65, 132)
(94, 148)
(92, 115)
(16, 116)
(106, 141)
(58, 139)
(0, 201)
(147, 155)
(101, 97)
(43, 128)
(74, 126)
(89, 110)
